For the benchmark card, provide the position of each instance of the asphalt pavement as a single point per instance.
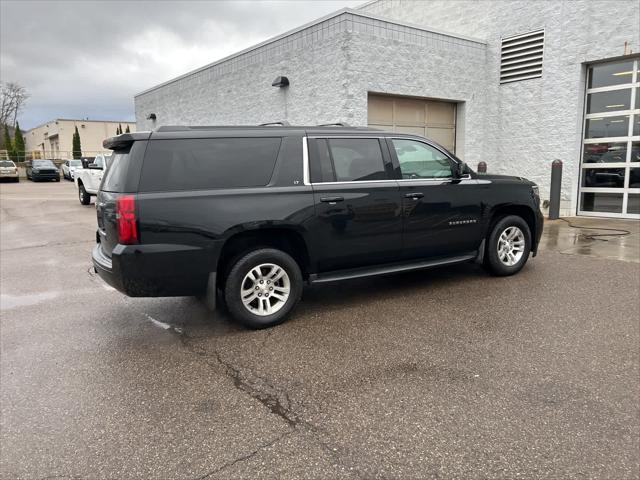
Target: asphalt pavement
(447, 373)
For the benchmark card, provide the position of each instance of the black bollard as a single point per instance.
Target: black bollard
(482, 167)
(556, 187)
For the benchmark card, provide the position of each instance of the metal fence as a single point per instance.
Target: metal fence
(58, 156)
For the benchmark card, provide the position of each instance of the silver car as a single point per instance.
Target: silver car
(9, 170)
(69, 168)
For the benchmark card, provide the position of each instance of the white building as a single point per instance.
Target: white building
(515, 84)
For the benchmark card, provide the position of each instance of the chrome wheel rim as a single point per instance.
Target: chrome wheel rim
(511, 246)
(265, 289)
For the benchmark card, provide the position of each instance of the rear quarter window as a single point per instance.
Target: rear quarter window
(200, 164)
(116, 174)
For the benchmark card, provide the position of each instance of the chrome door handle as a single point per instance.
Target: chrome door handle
(331, 200)
(414, 195)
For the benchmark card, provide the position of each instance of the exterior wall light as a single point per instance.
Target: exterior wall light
(280, 82)
(151, 116)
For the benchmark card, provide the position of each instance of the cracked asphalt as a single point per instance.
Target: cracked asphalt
(440, 374)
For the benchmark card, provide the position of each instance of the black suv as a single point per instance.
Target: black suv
(256, 212)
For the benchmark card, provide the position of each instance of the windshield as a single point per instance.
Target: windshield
(75, 163)
(43, 163)
(6, 163)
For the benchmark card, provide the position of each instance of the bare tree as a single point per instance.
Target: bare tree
(12, 100)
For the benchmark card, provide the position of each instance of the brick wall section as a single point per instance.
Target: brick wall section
(379, 65)
(316, 60)
(245, 96)
(528, 124)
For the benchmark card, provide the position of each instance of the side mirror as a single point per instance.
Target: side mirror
(460, 169)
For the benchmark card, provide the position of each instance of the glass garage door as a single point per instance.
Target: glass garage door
(610, 167)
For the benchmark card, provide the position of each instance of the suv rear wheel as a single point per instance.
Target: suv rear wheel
(508, 246)
(262, 288)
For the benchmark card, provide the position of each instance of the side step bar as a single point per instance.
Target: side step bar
(339, 275)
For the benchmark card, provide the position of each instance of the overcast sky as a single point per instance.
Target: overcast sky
(81, 59)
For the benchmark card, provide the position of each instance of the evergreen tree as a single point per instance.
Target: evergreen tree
(127, 130)
(8, 144)
(18, 143)
(77, 148)
(120, 128)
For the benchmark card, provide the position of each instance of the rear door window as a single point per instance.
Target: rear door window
(347, 160)
(200, 164)
(357, 159)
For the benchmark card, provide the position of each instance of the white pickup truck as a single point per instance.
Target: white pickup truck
(88, 178)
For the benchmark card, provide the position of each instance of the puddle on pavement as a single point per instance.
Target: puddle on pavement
(608, 240)
(7, 302)
(163, 325)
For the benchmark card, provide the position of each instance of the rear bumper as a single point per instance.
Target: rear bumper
(9, 175)
(154, 270)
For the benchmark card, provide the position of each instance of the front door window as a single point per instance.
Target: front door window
(418, 160)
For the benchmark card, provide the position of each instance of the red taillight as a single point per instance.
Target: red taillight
(126, 219)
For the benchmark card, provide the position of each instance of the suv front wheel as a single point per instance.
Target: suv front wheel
(262, 288)
(509, 246)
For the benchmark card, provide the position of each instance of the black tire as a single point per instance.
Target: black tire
(57, 179)
(85, 198)
(500, 266)
(236, 278)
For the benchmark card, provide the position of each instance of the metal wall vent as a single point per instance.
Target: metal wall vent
(521, 57)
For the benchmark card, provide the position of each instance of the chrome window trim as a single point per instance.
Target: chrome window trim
(428, 180)
(357, 137)
(356, 182)
(305, 161)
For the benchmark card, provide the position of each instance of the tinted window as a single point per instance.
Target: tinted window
(116, 174)
(321, 167)
(609, 101)
(419, 160)
(606, 74)
(607, 127)
(357, 159)
(198, 164)
(605, 152)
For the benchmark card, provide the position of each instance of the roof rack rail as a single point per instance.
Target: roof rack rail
(283, 123)
(335, 124)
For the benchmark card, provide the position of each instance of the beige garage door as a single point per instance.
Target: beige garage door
(430, 118)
